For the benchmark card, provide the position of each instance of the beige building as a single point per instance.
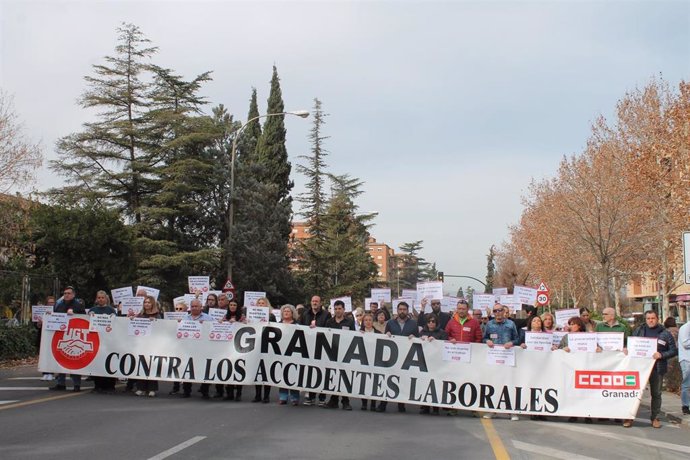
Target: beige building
(645, 289)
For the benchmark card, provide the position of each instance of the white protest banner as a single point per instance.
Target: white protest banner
(101, 323)
(499, 291)
(449, 304)
(483, 301)
(189, 329)
(121, 293)
(558, 337)
(430, 290)
(509, 300)
(251, 297)
(538, 341)
(175, 315)
(55, 322)
(562, 316)
(140, 327)
(610, 341)
(257, 315)
(381, 295)
(501, 356)
(347, 363)
(582, 342)
(525, 295)
(217, 313)
(198, 284)
(641, 347)
(145, 290)
(397, 301)
(180, 300)
(37, 311)
(458, 352)
(222, 332)
(132, 305)
(346, 300)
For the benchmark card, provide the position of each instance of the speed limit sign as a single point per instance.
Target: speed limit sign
(542, 299)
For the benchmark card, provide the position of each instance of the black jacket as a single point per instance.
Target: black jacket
(321, 317)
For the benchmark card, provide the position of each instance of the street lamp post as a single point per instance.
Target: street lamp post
(231, 207)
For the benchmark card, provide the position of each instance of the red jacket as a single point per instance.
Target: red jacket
(471, 331)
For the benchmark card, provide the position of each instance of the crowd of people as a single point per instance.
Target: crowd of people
(495, 328)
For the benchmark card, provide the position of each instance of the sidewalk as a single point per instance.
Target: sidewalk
(670, 407)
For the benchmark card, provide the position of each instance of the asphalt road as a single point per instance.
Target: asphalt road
(38, 423)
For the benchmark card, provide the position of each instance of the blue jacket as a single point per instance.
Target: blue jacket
(409, 328)
(500, 333)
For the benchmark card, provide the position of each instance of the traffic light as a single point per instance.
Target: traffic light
(440, 276)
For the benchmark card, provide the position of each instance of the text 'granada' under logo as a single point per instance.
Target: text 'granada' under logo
(76, 347)
(607, 380)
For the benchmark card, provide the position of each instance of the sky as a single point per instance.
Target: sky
(447, 111)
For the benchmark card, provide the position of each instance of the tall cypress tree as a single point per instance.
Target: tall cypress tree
(490, 269)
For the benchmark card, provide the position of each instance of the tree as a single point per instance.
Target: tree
(412, 268)
(490, 268)
(460, 293)
(19, 159)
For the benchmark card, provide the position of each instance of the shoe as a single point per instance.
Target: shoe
(572, 419)
(487, 416)
(656, 423)
(514, 418)
(256, 399)
(266, 400)
(205, 396)
(152, 394)
(282, 403)
(589, 421)
(332, 404)
(627, 423)
(186, 395)
(424, 411)
(76, 389)
(308, 402)
(380, 409)
(44, 378)
(322, 403)
(139, 393)
(174, 392)
(450, 413)
(402, 409)
(347, 407)
(686, 410)
(238, 398)
(365, 407)
(58, 387)
(295, 402)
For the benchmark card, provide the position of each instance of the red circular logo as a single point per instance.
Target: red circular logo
(76, 347)
(179, 335)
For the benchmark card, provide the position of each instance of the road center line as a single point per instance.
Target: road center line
(548, 451)
(37, 401)
(8, 402)
(499, 449)
(23, 388)
(177, 448)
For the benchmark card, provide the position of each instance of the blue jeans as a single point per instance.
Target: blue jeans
(685, 384)
(284, 392)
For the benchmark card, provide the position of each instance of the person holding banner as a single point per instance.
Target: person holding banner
(548, 322)
(339, 321)
(443, 317)
(262, 393)
(400, 325)
(381, 318)
(585, 316)
(358, 316)
(102, 306)
(316, 316)
(71, 305)
(431, 332)
(501, 331)
(665, 349)
(463, 328)
(288, 315)
(533, 325)
(368, 328)
(610, 323)
(152, 312)
(233, 314)
(196, 313)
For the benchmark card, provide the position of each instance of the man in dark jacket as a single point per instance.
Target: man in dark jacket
(315, 316)
(443, 317)
(72, 306)
(405, 326)
(665, 348)
(339, 321)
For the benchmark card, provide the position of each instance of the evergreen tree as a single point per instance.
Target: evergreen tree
(470, 295)
(490, 269)
(460, 293)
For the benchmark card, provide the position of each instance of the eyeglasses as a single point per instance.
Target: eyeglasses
(498, 310)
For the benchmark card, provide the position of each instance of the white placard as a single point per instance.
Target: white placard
(257, 315)
(198, 284)
(500, 356)
(641, 347)
(397, 301)
(430, 290)
(558, 337)
(175, 315)
(277, 314)
(381, 295)
(562, 316)
(250, 298)
(538, 341)
(458, 352)
(121, 293)
(499, 291)
(582, 342)
(37, 311)
(509, 300)
(408, 294)
(367, 303)
(189, 329)
(222, 332)
(525, 295)
(483, 301)
(140, 327)
(610, 341)
(485, 314)
(188, 299)
(449, 304)
(217, 313)
(132, 305)
(346, 300)
(153, 292)
(55, 322)
(101, 323)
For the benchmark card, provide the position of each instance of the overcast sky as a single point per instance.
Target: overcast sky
(445, 110)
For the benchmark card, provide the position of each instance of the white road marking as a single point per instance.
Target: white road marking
(25, 378)
(622, 437)
(8, 402)
(177, 448)
(22, 388)
(555, 453)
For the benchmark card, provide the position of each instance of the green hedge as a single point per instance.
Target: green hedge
(17, 342)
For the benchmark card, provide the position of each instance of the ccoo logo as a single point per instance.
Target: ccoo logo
(75, 347)
(607, 380)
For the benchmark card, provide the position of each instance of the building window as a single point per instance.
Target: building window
(379, 249)
(379, 257)
(379, 274)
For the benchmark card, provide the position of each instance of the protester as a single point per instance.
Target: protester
(339, 321)
(401, 325)
(262, 393)
(533, 325)
(381, 316)
(373, 307)
(233, 314)
(666, 348)
(443, 317)
(152, 312)
(368, 328)
(50, 301)
(211, 302)
(501, 331)
(684, 360)
(548, 322)
(672, 327)
(196, 313)
(530, 311)
(288, 315)
(462, 327)
(71, 305)
(316, 316)
(431, 332)
(585, 316)
(358, 315)
(102, 306)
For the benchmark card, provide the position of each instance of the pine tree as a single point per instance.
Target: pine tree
(460, 293)
(490, 269)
